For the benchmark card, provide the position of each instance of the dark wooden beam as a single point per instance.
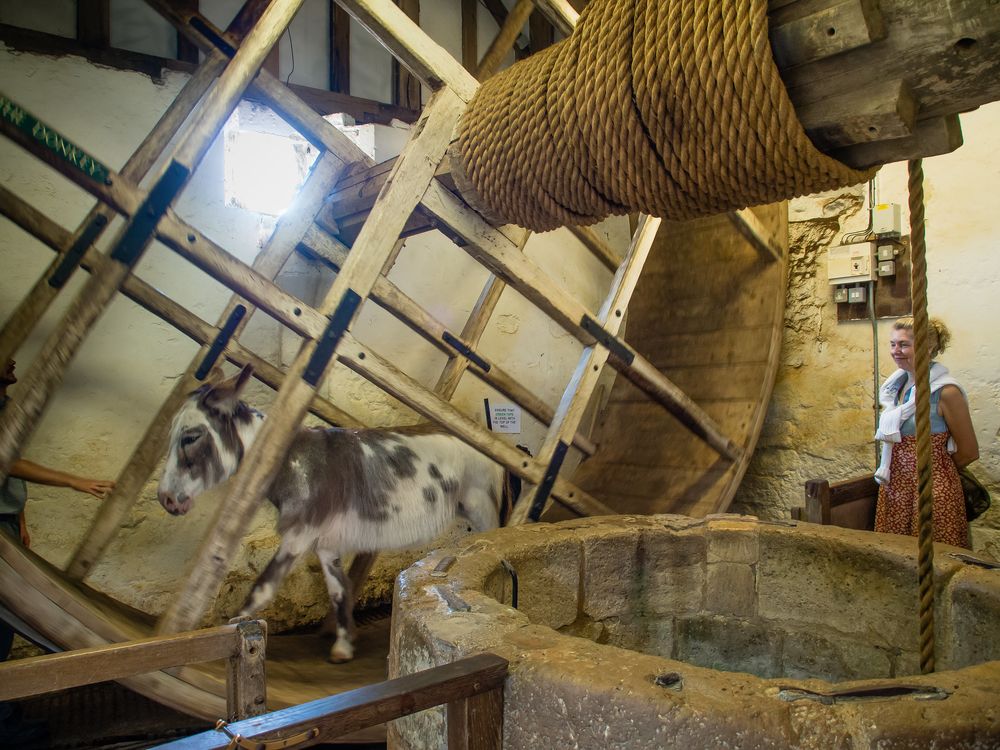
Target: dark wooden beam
(340, 49)
(93, 23)
(470, 34)
(186, 49)
(541, 32)
(405, 85)
(324, 102)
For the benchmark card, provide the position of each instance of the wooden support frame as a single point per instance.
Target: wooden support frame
(242, 644)
(471, 687)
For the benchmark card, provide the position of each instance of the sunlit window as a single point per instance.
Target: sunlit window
(263, 170)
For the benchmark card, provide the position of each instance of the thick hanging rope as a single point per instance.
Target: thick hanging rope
(673, 108)
(922, 365)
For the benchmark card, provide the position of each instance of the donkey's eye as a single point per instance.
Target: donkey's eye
(190, 438)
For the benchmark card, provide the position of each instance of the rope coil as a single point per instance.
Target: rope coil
(673, 108)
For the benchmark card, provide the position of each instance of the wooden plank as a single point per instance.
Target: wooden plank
(470, 34)
(365, 707)
(931, 137)
(838, 27)
(427, 60)
(889, 111)
(597, 246)
(748, 225)
(340, 49)
(504, 39)
(93, 22)
(22, 678)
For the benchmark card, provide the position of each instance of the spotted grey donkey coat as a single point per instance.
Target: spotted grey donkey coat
(339, 491)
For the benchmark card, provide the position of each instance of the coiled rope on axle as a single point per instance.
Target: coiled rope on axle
(673, 108)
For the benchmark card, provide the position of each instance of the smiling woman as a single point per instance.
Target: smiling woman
(953, 441)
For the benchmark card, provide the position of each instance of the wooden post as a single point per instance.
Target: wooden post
(476, 722)
(470, 34)
(340, 49)
(405, 85)
(246, 681)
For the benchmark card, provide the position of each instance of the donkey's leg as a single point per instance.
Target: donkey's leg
(340, 619)
(292, 547)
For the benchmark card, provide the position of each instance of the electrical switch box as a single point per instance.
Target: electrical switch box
(887, 268)
(857, 294)
(886, 252)
(850, 264)
(886, 220)
(840, 294)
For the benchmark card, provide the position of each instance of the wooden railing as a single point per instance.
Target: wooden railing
(850, 503)
(472, 688)
(241, 643)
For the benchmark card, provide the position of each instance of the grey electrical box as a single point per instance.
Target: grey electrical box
(857, 294)
(840, 294)
(887, 268)
(886, 252)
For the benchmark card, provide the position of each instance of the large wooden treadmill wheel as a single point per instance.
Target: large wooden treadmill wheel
(708, 313)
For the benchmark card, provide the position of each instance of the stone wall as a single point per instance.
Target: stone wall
(821, 420)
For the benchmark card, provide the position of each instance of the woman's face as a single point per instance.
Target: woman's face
(901, 348)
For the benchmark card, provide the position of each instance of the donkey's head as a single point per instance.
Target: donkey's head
(207, 441)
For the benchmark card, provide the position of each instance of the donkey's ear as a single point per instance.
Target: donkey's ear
(224, 397)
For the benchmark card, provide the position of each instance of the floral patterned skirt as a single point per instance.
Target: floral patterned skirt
(896, 512)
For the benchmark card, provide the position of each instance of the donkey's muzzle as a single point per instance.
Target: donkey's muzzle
(175, 505)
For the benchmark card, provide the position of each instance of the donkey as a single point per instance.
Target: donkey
(338, 491)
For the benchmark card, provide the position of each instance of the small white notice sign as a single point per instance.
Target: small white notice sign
(506, 418)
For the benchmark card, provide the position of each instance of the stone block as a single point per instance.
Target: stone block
(727, 644)
(854, 582)
(809, 654)
(968, 632)
(674, 573)
(548, 574)
(736, 545)
(731, 589)
(612, 575)
(647, 635)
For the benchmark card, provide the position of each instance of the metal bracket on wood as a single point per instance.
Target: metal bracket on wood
(327, 345)
(613, 344)
(143, 224)
(459, 346)
(551, 474)
(220, 341)
(75, 254)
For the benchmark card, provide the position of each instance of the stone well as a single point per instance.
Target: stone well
(725, 632)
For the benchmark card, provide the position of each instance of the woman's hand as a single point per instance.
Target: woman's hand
(97, 487)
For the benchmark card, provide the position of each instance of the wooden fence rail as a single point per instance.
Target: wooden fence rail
(472, 688)
(241, 643)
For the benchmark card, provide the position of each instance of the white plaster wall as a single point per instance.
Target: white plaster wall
(820, 421)
(129, 363)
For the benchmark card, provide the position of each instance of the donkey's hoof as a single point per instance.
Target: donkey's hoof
(341, 652)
